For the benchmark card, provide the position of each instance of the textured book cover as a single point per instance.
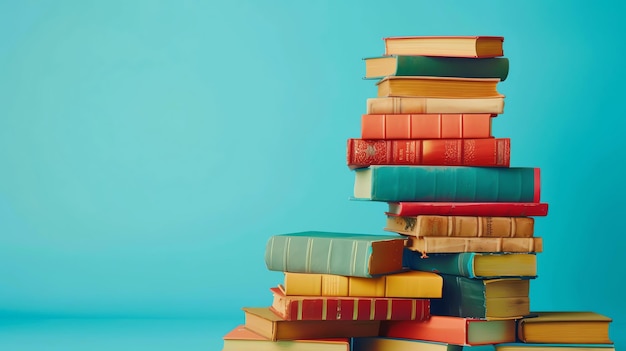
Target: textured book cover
(475, 264)
(499, 209)
(434, 152)
(502, 298)
(348, 308)
(447, 184)
(470, 226)
(426, 126)
(439, 244)
(394, 105)
(358, 255)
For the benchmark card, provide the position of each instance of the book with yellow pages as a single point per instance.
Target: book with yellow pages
(565, 327)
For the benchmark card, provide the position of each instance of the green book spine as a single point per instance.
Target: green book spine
(332, 253)
(460, 264)
(452, 67)
(461, 297)
(447, 183)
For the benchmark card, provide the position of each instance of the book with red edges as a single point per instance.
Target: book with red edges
(347, 308)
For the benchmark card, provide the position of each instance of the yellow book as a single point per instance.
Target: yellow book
(565, 327)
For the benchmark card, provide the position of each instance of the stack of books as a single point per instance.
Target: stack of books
(455, 267)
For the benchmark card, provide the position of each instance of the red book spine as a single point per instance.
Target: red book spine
(426, 126)
(435, 152)
(493, 209)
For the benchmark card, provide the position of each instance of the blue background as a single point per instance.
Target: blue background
(148, 149)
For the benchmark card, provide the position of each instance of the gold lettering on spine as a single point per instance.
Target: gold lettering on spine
(299, 310)
(450, 220)
(513, 227)
(372, 309)
(355, 311)
(389, 309)
(325, 308)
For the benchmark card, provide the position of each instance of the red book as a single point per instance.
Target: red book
(434, 152)
(348, 308)
(491, 209)
(452, 330)
(426, 126)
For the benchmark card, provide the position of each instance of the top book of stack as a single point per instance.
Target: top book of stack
(448, 46)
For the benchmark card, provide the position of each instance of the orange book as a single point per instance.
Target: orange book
(426, 126)
(452, 330)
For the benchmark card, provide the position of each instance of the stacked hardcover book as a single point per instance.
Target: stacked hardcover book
(455, 268)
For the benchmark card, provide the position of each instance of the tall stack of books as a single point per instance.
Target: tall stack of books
(455, 268)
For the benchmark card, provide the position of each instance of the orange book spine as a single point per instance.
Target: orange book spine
(426, 126)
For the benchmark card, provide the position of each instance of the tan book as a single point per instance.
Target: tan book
(433, 244)
(264, 322)
(242, 339)
(395, 105)
(565, 327)
(470, 226)
(480, 46)
(441, 87)
(410, 284)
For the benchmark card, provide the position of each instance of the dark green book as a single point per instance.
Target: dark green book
(379, 67)
(502, 298)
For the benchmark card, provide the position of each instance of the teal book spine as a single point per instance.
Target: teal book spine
(451, 67)
(460, 264)
(447, 183)
(355, 255)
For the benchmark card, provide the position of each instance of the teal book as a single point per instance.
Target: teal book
(401, 65)
(475, 265)
(355, 255)
(501, 298)
(447, 183)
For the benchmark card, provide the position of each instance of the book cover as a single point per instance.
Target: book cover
(394, 344)
(347, 308)
(452, 330)
(403, 65)
(448, 46)
(263, 321)
(426, 126)
(434, 244)
(408, 284)
(522, 346)
(439, 87)
(395, 105)
(447, 184)
(565, 327)
(242, 339)
(358, 255)
(500, 209)
(470, 226)
(434, 152)
(502, 298)
(475, 265)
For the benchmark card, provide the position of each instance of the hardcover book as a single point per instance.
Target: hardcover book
(394, 105)
(565, 327)
(357, 255)
(426, 126)
(266, 323)
(434, 244)
(475, 265)
(409, 284)
(503, 298)
(348, 308)
(403, 65)
(452, 330)
(522, 346)
(438, 87)
(450, 46)
(471, 226)
(435, 152)
(500, 209)
(447, 184)
(242, 339)
(393, 344)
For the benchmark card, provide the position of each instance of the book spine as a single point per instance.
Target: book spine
(426, 126)
(452, 67)
(470, 226)
(318, 255)
(354, 309)
(442, 152)
(453, 183)
(459, 264)
(429, 244)
(395, 105)
(496, 209)
(462, 297)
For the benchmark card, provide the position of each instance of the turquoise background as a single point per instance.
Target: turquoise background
(148, 149)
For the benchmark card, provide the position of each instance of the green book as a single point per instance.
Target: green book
(355, 255)
(393, 183)
(502, 298)
(399, 65)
